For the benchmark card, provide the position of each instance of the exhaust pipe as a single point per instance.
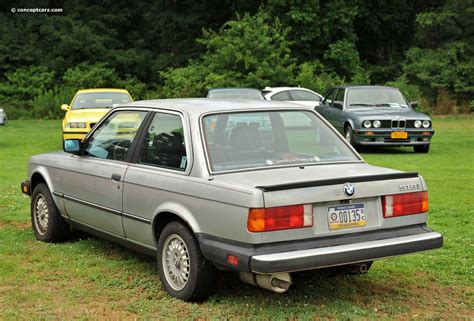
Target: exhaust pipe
(360, 268)
(277, 282)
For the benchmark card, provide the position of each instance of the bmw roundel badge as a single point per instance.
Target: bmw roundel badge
(349, 189)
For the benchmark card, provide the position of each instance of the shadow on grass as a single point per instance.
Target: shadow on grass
(320, 287)
(386, 150)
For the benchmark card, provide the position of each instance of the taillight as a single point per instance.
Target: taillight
(404, 204)
(279, 218)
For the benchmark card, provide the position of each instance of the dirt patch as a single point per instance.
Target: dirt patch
(426, 299)
(442, 302)
(15, 224)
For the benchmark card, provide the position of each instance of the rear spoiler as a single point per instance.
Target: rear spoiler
(334, 181)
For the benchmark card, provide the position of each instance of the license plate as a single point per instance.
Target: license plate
(344, 216)
(399, 135)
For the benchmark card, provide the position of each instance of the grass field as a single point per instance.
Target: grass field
(88, 278)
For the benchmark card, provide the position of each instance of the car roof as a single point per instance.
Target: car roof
(274, 90)
(363, 86)
(284, 88)
(199, 106)
(233, 88)
(98, 90)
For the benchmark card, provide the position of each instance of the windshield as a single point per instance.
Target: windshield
(99, 100)
(375, 97)
(271, 138)
(236, 93)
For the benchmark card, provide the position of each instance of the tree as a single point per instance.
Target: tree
(251, 51)
(444, 58)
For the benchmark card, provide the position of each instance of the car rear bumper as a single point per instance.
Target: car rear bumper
(344, 254)
(320, 252)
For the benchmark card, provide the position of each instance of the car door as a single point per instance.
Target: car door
(157, 174)
(93, 182)
(324, 108)
(335, 112)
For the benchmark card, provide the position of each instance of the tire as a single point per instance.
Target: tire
(47, 223)
(421, 148)
(200, 273)
(349, 135)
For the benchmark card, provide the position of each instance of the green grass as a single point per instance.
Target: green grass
(90, 278)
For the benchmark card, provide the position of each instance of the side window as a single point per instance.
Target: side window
(340, 95)
(115, 135)
(164, 144)
(304, 95)
(330, 97)
(283, 96)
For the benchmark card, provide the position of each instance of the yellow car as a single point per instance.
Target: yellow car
(87, 108)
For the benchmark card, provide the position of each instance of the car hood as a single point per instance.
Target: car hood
(291, 175)
(92, 115)
(388, 112)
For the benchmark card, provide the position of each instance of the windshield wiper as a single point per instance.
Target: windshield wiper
(361, 104)
(383, 105)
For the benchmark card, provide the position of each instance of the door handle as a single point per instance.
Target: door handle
(116, 177)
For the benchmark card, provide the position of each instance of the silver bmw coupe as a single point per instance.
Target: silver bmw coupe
(258, 187)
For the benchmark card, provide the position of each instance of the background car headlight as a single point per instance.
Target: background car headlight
(426, 123)
(417, 123)
(75, 125)
(367, 123)
(376, 123)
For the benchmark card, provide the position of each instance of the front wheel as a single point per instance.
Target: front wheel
(349, 135)
(183, 271)
(421, 148)
(48, 224)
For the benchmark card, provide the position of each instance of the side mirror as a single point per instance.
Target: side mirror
(65, 107)
(73, 146)
(337, 105)
(413, 104)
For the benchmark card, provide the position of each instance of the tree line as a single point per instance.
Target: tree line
(173, 48)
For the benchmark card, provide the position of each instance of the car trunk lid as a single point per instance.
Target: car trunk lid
(322, 186)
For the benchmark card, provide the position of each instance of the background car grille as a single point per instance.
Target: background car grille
(399, 123)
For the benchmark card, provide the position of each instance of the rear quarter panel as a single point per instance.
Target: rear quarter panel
(208, 207)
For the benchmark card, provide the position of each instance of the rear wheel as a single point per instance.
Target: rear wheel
(184, 272)
(421, 148)
(47, 223)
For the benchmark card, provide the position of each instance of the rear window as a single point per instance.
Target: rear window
(247, 140)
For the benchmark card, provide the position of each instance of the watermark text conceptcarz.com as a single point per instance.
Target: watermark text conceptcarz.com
(36, 10)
